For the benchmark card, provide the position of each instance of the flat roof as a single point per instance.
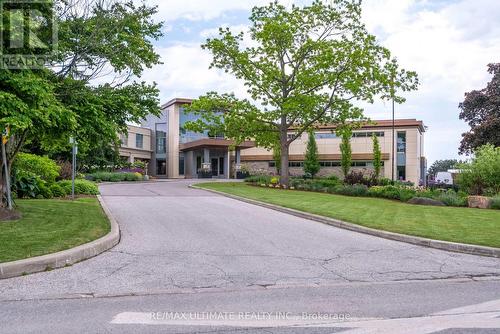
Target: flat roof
(177, 101)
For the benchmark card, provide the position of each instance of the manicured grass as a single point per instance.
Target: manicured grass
(49, 226)
(464, 225)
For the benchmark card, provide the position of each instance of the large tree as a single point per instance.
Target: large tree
(304, 66)
(87, 88)
(481, 110)
(442, 166)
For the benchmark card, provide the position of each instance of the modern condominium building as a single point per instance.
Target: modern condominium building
(178, 153)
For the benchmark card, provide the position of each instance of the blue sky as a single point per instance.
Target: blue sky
(448, 42)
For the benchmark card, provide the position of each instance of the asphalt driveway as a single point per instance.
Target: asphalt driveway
(181, 240)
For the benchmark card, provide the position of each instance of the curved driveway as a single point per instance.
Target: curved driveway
(181, 240)
(176, 238)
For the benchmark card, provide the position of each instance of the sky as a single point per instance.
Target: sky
(447, 42)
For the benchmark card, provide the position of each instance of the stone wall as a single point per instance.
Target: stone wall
(262, 167)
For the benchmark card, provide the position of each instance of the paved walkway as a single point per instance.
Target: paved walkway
(181, 240)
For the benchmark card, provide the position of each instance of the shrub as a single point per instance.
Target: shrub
(482, 175)
(82, 187)
(25, 184)
(260, 179)
(392, 192)
(275, 180)
(354, 178)
(65, 170)
(384, 182)
(334, 177)
(451, 198)
(113, 177)
(351, 190)
(44, 191)
(495, 202)
(57, 190)
(43, 167)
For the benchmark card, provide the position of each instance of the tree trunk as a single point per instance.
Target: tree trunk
(284, 158)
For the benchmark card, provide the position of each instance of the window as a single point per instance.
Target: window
(296, 164)
(198, 163)
(320, 135)
(186, 135)
(401, 155)
(124, 140)
(401, 142)
(161, 138)
(139, 140)
(181, 163)
(290, 164)
(402, 173)
(290, 136)
(367, 134)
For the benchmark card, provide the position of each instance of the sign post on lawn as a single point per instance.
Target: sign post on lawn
(72, 141)
(5, 140)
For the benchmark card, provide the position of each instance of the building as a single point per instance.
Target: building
(136, 144)
(410, 162)
(178, 153)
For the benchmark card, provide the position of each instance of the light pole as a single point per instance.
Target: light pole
(393, 133)
(72, 141)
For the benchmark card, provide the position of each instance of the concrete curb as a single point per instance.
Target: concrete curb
(437, 244)
(66, 257)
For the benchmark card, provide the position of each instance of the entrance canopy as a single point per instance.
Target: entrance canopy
(214, 143)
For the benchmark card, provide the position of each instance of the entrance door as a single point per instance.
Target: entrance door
(215, 167)
(221, 166)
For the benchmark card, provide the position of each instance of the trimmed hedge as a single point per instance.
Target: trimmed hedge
(82, 187)
(114, 177)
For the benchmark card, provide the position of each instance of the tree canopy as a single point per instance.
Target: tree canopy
(88, 88)
(442, 166)
(304, 66)
(481, 110)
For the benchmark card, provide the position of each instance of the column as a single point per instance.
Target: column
(206, 155)
(237, 162)
(228, 164)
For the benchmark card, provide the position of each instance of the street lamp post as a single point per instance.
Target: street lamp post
(72, 141)
(393, 144)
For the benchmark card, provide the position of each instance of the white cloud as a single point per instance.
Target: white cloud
(185, 73)
(449, 47)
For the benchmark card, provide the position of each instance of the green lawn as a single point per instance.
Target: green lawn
(48, 226)
(470, 226)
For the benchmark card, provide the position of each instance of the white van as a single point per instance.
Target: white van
(444, 178)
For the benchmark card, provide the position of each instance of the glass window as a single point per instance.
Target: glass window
(367, 134)
(139, 140)
(401, 142)
(402, 173)
(161, 167)
(124, 140)
(161, 138)
(319, 135)
(272, 164)
(187, 136)
(181, 163)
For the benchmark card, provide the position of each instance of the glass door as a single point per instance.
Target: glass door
(215, 167)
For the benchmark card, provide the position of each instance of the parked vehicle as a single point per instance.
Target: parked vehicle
(444, 178)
